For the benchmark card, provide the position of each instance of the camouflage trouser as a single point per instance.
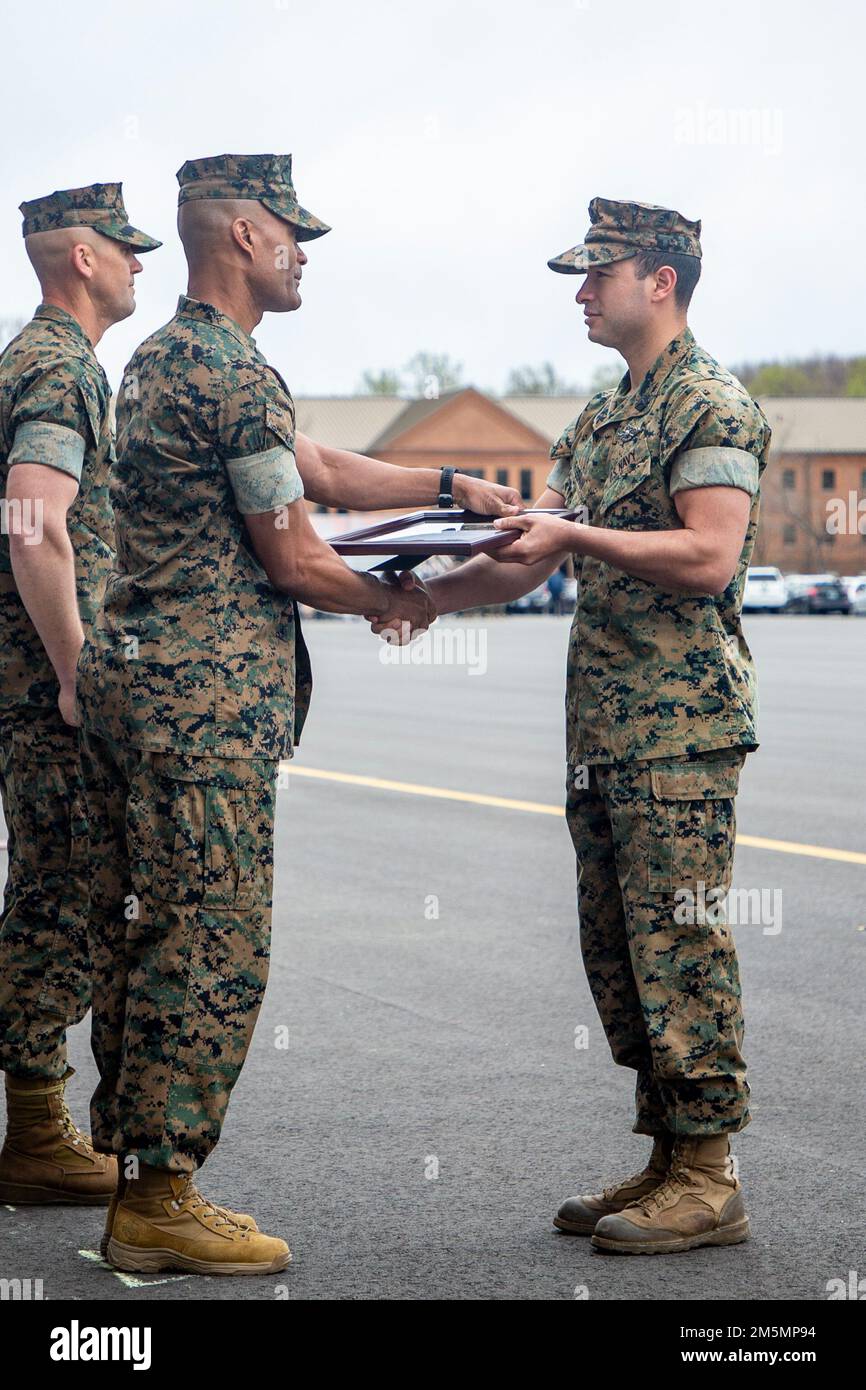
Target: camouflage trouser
(663, 972)
(182, 850)
(44, 965)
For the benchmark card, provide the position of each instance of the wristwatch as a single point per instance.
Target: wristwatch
(446, 488)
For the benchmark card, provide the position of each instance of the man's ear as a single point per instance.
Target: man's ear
(242, 234)
(82, 258)
(666, 279)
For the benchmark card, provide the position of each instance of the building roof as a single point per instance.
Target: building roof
(347, 422)
(413, 414)
(817, 424)
(807, 424)
(549, 415)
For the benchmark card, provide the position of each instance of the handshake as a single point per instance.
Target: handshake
(410, 609)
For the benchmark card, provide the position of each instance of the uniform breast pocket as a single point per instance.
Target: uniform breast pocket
(630, 469)
(692, 826)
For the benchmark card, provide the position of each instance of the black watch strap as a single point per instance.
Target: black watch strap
(446, 488)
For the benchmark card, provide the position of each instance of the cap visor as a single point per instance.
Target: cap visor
(139, 241)
(306, 225)
(580, 259)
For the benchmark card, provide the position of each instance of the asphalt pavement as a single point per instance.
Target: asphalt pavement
(430, 1109)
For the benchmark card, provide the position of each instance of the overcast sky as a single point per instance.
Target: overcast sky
(454, 148)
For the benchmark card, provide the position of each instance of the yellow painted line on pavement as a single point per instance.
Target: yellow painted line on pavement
(542, 808)
(539, 808)
(844, 856)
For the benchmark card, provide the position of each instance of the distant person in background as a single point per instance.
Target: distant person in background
(556, 585)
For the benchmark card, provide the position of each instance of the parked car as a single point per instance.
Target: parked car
(797, 584)
(853, 583)
(824, 596)
(765, 590)
(857, 593)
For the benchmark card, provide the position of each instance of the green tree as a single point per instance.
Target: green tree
(431, 373)
(780, 379)
(538, 381)
(856, 383)
(807, 376)
(603, 378)
(385, 382)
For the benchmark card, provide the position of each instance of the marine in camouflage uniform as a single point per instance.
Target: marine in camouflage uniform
(54, 411)
(195, 683)
(661, 713)
(661, 706)
(54, 400)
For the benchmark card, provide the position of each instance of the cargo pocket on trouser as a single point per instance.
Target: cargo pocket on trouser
(44, 951)
(39, 795)
(692, 826)
(696, 1019)
(194, 843)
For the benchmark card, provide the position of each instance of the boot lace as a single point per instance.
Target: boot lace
(196, 1201)
(611, 1193)
(70, 1129)
(675, 1184)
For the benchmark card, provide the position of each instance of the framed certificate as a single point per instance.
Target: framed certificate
(408, 540)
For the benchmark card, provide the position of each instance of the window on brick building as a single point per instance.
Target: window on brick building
(472, 472)
(502, 476)
(789, 478)
(526, 484)
(789, 535)
(828, 478)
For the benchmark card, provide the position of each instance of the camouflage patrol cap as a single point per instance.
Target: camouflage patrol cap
(621, 230)
(98, 205)
(265, 177)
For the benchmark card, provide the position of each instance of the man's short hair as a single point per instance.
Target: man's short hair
(688, 269)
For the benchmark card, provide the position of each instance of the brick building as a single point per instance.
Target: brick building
(814, 492)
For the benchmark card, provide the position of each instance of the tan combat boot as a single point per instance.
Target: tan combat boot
(240, 1217)
(699, 1203)
(162, 1222)
(46, 1158)
(580, 1215)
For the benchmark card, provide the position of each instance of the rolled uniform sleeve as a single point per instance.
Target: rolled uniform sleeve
(561, 452)
(56, 419)
(558, 477)
(725, 446)
(257, 442)
(714, 466)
